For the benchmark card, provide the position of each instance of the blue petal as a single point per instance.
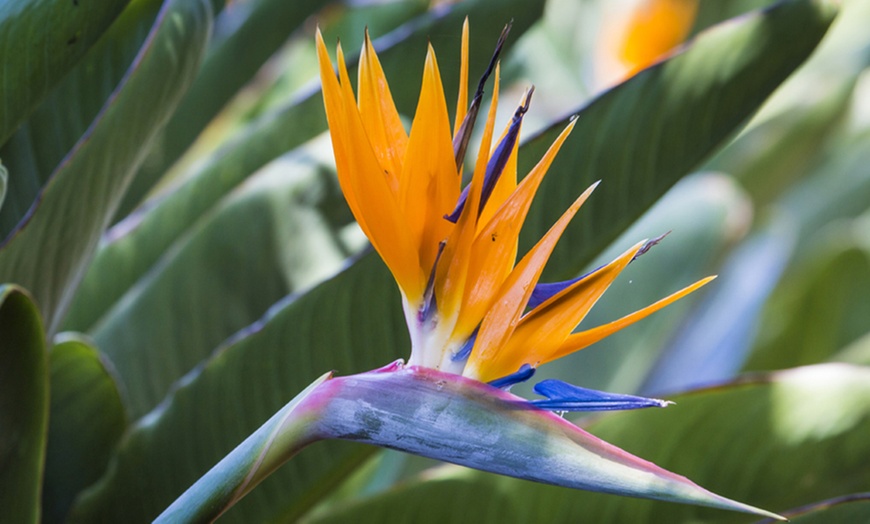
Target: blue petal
(525, 373)
(546, 290)
(465, 350)
(495, 166)
(562, 396)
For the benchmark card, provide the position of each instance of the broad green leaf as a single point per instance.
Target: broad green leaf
(23, 405)
(820, 308)
(50, 249)
(343, 324)
(39, 145)
(42, 41)
(643, 135)
(263, 242)
(86, 421)
(135, 244)
(256, 30)
(776, 441)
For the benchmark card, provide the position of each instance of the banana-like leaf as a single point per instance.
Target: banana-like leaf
(41, 143)
(257, 29)
(86, 421)
(135, 244)
(776, 441)
(42, 41)
(51, 246)
(643, 135)
(219, 404)
(206, 287)
(23, 405)
(443, 416)
(821, 307)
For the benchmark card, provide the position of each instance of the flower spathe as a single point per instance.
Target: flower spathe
(453, 252)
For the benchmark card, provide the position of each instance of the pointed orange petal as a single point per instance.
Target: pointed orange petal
(583, 339)
(504, 315)
(429, 184)
(452, 275)
(379, 115)
(362, 180)
(495, 248)
(462, 98)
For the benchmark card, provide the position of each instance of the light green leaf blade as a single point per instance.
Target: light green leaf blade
(86, 421)
(774, 441)
(135, 244)
(642, 136)
(821, 305)
(52, 246)
(23, 405)
(42, 41)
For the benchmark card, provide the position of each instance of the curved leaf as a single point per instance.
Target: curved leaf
(222, 402)
(86, 421)
(643, 135)
(776, 441)
(263, 242)
(39, 145)
(257, 29)
(42, 41)
(23, 405)
(52, 245)
(135, 244)
(820, 308)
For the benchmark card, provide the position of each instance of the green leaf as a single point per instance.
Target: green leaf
(50, 249)
(821, 306)
(4, 178)
(86, 421)
(39, 145)
(136, 243)
(642, 136)
(42, 41)
(258, 28)
(217, 405)
(774, 441)
(23, 405)
(261, 243)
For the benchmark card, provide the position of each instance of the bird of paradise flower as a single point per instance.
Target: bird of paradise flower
(479, 322)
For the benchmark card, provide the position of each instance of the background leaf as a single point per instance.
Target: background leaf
(42, 41)
(51, 247)
(86, 421)
(23, 405)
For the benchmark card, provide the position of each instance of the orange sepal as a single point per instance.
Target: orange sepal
(429, 184)
(584, 339)
(504, 315)
(462, 98)
(543, 329)
(495, 248)
(363, 182)
(379, 115)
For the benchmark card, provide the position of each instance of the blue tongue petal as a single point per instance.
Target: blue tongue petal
(562, 396)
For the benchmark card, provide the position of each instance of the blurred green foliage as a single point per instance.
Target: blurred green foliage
(178, 261)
